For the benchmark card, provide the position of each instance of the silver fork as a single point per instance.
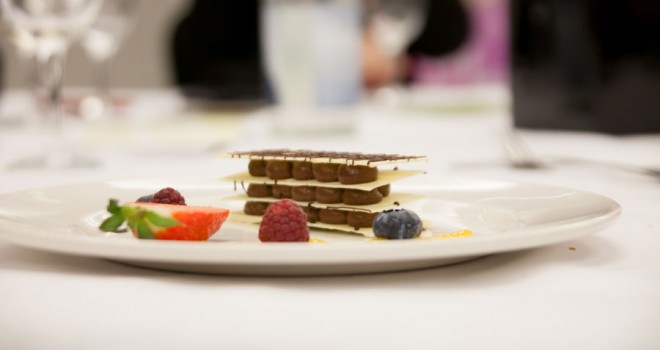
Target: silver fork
(518, 153)
(520, 156)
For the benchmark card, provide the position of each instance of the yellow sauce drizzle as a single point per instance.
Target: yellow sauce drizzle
(452, 235)
(449, 235)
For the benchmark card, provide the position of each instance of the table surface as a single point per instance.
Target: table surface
(599, 292)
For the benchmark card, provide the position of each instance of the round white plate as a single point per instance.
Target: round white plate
(504, 216)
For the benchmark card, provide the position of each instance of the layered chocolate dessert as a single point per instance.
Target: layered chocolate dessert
(337, 190)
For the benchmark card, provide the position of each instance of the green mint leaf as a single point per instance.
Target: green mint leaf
(112, 223)
(161, 221)
(131, 211)
(114, 207)
(117, 218)
(132, 222)
(133, 216)
(144, 231)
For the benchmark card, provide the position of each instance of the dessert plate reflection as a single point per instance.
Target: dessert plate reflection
(504, 216)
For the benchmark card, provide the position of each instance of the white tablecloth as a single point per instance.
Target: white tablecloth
(599, 292)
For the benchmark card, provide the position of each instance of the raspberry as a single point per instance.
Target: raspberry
(284, 221)
(168, 195)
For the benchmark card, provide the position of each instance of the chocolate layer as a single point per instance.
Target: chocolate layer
(325, 172)
(359, 197)
(303, 193)
(359, 219)
(278, 169)
(259, 190)
(356, 174)
(302, 171)
(257, 167)
(255, 207)
(332, 216)
(282, 191)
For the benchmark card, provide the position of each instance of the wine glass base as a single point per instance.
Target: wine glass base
(52, 161)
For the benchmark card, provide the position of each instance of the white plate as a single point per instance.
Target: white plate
(504, 216)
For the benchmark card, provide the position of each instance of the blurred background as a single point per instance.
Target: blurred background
(144, 56)
(569, 64)
(594, 50)
(590, 65)
(214, 44)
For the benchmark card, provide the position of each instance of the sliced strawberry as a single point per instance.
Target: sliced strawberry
(165, 221)
(195, 223)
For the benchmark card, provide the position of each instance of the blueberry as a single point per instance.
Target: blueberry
(145, 198)
(397, 224)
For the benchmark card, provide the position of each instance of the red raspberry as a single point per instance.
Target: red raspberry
(168, 195)
(284, 221)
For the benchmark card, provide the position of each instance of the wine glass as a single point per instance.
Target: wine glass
(312, 59)
(392, 25)
(100, 43)
(54, 25)
(22, 44)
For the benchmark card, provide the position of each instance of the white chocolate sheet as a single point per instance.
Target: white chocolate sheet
(385, 177)
(328, 160)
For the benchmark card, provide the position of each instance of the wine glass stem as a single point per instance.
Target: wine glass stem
(56, 68)
(104, 67)
(53, 63)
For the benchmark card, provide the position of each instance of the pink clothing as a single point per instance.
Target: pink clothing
(484, 57)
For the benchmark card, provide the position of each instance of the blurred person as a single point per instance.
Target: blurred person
(482, 57)
(217, 55)
(445, 29)
(216, 51)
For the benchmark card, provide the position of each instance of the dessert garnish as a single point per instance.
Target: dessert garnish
(353, 158)
(167, 195)
(164, 221)
(397, 224)
(464, 233)
(284, 221)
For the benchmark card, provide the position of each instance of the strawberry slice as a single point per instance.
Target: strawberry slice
(165, 221)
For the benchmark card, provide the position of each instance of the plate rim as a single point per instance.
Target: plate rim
(245, 253)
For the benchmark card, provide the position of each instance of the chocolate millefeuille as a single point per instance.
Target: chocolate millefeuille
(338, 190)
